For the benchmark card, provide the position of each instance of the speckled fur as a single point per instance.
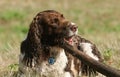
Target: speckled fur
(47, 31)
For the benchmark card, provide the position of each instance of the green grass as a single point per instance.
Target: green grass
(12, 15)
(98, 21)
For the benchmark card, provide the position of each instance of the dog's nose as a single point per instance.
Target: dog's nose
(73, 27)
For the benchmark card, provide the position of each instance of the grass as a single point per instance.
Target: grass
(98, 21)
(12, 15)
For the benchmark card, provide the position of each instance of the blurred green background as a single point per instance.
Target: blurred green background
(98, 21)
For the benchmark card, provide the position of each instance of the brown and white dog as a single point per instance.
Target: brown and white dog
(41, 53)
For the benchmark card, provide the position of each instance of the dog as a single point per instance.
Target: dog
(41, 53)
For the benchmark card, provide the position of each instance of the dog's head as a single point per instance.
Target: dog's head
(51, 27)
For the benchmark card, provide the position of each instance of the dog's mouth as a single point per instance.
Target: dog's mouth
(69, 40)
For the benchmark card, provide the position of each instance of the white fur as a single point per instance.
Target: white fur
(72, 23)
(45, 69)
(67, 74)
(71, 32)
(87, 48)
(22, 67)
(73, 68)
(58, 67)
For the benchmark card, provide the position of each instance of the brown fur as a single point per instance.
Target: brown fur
(45, 30)
(48, 29)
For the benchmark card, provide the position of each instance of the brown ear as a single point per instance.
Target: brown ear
(35, 31)
(30, 47)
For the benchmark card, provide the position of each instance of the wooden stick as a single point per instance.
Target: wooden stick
(98, 66)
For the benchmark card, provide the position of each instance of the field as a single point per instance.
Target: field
(98, 21)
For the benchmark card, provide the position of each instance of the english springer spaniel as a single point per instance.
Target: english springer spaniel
(42, 55)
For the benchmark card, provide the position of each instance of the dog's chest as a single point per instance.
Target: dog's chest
(58, 66)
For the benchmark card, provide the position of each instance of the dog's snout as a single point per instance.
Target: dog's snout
(73, 27)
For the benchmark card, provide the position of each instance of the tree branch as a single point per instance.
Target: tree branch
(98, 66)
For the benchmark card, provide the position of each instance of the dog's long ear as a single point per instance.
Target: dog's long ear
(35, 30)
(30, 47)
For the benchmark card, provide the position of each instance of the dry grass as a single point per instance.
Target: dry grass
(98, 21)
